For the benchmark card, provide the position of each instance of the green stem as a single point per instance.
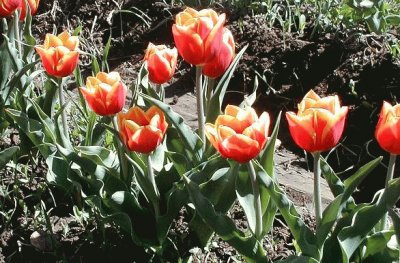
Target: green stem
(389, 176)
(17, 33)
(200, 103)
(121, 150)
(160, 91)
(153, 183)
(317, 188)
(257, 201)
(62, 102)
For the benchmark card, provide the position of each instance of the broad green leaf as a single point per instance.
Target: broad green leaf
(247, 246)
(142, 178)
(190, 139)
(215, 104)
(57, 173)
(335, 208)
(105, 174)
(366, 218)
(7, 154)
(298, 259)
(396, 223)
(334, 183)
(305, 238)
(244, 193)
(376, 248)
(267, 156)
(35, 131)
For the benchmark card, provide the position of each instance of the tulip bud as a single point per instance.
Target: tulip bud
(198, 35)
(161, 62)
(7, 7)
(33, 6)
(319, 122)
(105, 93)
(220, 63)
(239, 134)
(387, 131)
(59, 54)
(142, 131)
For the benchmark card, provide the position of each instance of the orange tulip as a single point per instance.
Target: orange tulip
(387, 131)
(161, 62)
(59, 54)
(105, 93)
(216, 67)
(198, 35)
(319, 122)
(33, 6)
(142, 131)
(7, 7)
(239, 134)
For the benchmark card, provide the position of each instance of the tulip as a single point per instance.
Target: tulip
(59, 54)
(319, 122)
(387, 131)
(105, 93)
(7, 7)
(161, 62)
(33, 6)
(198, 35)
(239, 134)
(142, 131)
(216, 67)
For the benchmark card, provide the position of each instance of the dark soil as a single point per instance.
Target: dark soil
(355, 66)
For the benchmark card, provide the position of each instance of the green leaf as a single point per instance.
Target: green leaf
(305, 238)
(267, 157)
(334, 183)
(335, 208)
(7, 154)
(57, 173)
(366, 218)
(396, 223)
(35, 132)
(88, 164)
(376, 248)
(244, 193)
(190, 139)
(219, 92)
(298, 259)
(247, 246)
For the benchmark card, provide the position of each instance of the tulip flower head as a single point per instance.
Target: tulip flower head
(220, 63)
(7, 7)
(59, 54)
(239, 134)
(319, 122)
(105, 93)
(142, 131)
(161, 62)
(198, 35)
(387, 131)
(33, 6)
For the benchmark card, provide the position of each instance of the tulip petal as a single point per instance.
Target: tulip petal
(240, 148)
(145, 139)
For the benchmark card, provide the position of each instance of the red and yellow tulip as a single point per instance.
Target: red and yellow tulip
(105, 93)
(239, 134)
(319, 122)
(59, 54)
(33, 6)
(161, 62)
(142, 131)
(387, 131)
(220, 63)
(198, 35)
(7, 7)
